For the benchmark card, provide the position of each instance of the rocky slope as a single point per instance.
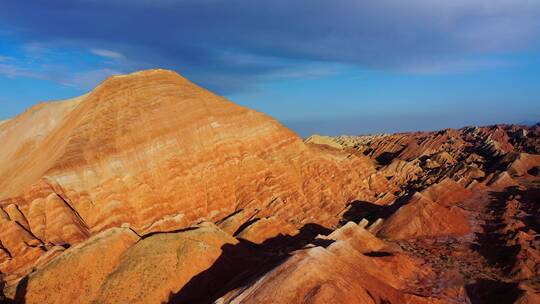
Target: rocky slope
(150, 189)
(466, 202)
(154, 152)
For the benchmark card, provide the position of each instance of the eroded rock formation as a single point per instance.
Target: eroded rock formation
(154, 152)
(150, 189)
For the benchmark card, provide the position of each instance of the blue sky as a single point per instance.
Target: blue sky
(319, 66)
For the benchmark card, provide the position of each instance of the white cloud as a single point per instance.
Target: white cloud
(88, 79)
(5, 58)
(14, 71)
(450, 66)
(34, 49)
(279, 39)
(107, 53)
(59, 73)
(312, 71)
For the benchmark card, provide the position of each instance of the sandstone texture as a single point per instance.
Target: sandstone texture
(151, 189)
(355, 267)
(157, 153)
(159, 265)
(422, 217)
(76, 275)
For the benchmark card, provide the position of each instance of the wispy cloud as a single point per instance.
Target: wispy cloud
(14, 71)
(6, 58)
(107, 53)
(32, 63)
(452, 66)
(310, 71)
(262, 39)
(88, 79)
(34, 50)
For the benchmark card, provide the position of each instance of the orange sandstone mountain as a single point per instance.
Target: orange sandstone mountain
(155, 152)
(150, 189)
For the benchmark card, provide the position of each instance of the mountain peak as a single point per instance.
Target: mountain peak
(149, 72)
(151, 77)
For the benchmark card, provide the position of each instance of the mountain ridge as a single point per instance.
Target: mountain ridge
(150, 171)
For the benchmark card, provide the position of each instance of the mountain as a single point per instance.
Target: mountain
(151, 189)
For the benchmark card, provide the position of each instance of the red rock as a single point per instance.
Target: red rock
(211, 197)
(447, 192)
(501, 181)
(85, 267)
(443, 158)
(155, 152)
(20, 250)
(265, 228)
(421, 217)
(522, 163)
(528, 296)
(323, 140)
(401, 172)
(378, 183)
(347, 271)
(159, 266)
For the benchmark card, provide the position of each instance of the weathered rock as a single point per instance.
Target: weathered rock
(443, 158)
(356, 268)
(501, 181)
(262, 229)
(421, 217)
(323, 140)
(76, 275)
(20, 250)
(158, 266)
(401, 172)
(447, 192)
(155, 152)
(160, 157)
(522, 163)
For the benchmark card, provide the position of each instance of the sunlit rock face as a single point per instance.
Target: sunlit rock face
(154, 152)
(150, 189)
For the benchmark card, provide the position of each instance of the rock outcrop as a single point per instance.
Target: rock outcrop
(355, 268)
(160, 265)
(76, 275)
(150, 189)
(464, 201)
(422, 217)
(155, 152)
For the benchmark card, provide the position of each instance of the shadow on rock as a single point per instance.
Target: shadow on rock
(21, 290)
(491, 242)
(20, 293)
(488, 292)
(2, 285)
(358, 210)
(386, 158)
(245, 262)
